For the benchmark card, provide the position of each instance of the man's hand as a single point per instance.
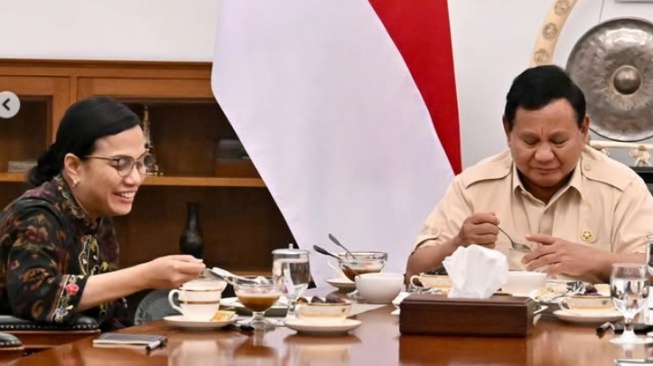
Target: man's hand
(558, 256)
(479, 228)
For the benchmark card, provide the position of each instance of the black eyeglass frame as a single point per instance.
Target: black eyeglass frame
(124, 165)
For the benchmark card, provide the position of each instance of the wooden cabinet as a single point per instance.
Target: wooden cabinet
(241, 224)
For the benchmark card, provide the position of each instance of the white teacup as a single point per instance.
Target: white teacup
(380, 288)
(431, 281)
(199, 299)
(587, 303)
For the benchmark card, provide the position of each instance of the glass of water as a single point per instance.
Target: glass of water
(649, 254)
(629, 292)
(291, 268)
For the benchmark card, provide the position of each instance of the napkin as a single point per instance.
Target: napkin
(476, 272)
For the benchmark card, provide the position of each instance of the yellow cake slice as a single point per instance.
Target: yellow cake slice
(222, 315)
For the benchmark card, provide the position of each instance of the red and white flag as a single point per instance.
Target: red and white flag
(336, 103)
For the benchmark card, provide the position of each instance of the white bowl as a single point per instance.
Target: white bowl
(524, 283)
(380, 288)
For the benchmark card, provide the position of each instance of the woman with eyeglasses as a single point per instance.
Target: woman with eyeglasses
(58, 247)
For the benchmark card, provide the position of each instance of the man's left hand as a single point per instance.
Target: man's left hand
(558, 256)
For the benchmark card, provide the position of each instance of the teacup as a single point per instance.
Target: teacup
(199, 299)
(429, 281)
(524, 283)
(587, 303)
(380, 288)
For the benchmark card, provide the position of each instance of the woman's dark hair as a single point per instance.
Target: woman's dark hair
(537, 87)
(83, 123)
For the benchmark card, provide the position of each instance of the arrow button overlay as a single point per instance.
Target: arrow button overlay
(9, 104)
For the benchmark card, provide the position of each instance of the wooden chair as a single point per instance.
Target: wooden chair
(36, 336)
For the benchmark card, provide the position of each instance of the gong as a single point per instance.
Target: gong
(612, 63)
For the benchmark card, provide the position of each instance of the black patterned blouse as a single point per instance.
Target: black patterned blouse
(48, 249)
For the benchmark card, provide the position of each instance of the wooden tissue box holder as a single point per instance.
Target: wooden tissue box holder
(503, 316)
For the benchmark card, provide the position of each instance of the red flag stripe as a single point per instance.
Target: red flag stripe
(420, 30)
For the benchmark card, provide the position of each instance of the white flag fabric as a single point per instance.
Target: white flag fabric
(335, 124)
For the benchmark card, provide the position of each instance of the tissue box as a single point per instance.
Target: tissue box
(431, 314)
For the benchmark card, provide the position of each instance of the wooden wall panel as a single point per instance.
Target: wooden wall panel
(24, 136)
(240, 226)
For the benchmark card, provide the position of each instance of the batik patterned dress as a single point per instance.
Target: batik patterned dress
(48, 249)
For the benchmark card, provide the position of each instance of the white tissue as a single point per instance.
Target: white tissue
(476, 272)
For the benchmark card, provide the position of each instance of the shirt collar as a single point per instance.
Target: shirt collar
(71, 206)
(575, 182)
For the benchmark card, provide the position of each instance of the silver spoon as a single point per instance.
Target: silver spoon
(336, 242)
(220, 273)
(516, 246)
(325, 252)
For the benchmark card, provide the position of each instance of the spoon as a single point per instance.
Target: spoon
(325, 252)
(516, 246)
(223, 274)
(336, 242)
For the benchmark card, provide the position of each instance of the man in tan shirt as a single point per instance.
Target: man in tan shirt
(579, 210)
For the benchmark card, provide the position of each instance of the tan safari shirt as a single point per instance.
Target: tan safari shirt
(606, 204)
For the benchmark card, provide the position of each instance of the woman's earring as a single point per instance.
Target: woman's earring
(75, 183)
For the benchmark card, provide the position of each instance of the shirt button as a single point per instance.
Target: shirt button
(587, 236)
(587, 167)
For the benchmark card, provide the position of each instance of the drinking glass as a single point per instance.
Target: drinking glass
(258, 294)
(649, 266)
(291, 267)
(358, 263)
(629, 292)
(649, 254)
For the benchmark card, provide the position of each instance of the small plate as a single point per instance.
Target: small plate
(589, 317)
(342, 283)
(322, 329)
(554, 291)
(181, 322)
(278, 309)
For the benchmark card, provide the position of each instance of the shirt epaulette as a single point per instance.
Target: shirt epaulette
(495, 167)
(598, 167)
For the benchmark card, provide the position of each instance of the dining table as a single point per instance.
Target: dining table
(377, 341)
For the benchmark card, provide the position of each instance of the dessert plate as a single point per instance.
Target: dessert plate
(338, 328)
(342, 283)
(181, 322)
(590, 317)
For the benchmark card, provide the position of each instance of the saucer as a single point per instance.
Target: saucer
(322, 329)
(590, 317)
(181, 322)
(278, 309)
(342, 283)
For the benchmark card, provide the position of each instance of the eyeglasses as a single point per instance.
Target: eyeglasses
(124, 165)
